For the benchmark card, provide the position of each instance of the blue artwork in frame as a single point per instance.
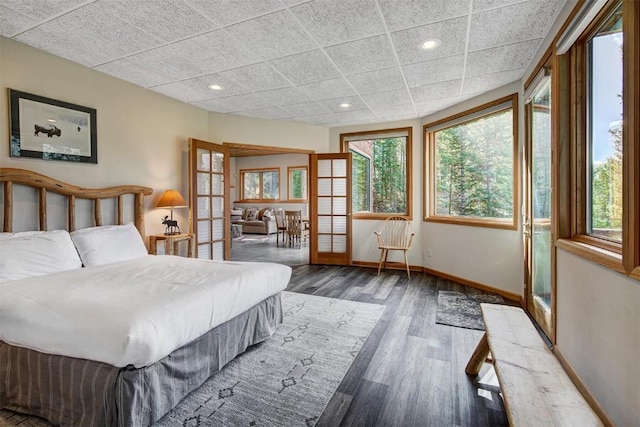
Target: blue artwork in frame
(49, 129)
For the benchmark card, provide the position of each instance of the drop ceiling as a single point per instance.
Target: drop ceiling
(295, 60)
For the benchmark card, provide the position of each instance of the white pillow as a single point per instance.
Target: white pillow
(36, 253)
(108, 243)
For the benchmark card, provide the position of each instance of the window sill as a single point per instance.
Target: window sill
(603, 257)
(474, 222)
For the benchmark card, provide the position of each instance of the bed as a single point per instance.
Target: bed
(116, 337)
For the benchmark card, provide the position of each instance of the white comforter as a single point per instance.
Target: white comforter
(132, 312)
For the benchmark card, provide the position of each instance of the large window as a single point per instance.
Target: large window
(471, 166)
(297, 185)
(381, 172)
(260, 184)
(601, 91)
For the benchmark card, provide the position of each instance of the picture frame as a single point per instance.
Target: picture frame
(49, 129)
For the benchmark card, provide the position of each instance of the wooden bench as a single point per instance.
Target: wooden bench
(535, 389)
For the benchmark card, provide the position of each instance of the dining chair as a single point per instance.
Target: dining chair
(281, 226)
(394, 235)
(296, 231)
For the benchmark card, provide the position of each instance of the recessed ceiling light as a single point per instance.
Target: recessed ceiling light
(430, 44)
(215, 87)
(51, 120)
(345, 105)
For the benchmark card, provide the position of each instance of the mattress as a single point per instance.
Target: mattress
(132, 312)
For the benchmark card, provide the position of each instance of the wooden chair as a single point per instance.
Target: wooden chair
(395, 235)
(281, 226)
(296, 231)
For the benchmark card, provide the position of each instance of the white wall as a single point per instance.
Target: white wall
(365, 247)
(142, 135)
(598, 332)
(488, 256)
(247, 130)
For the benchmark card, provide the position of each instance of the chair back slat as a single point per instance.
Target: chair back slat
(396, 232)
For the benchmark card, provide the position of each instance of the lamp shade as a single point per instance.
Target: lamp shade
(171, 199)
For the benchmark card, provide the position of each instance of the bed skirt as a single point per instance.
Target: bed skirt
(68, 391)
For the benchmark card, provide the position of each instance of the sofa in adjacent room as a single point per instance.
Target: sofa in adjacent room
(255, 220)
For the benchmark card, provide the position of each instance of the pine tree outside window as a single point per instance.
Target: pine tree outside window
(381, 172)
(472, 166)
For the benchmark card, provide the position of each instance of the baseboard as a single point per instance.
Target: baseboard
(506, 294)
(604, 417)
(391, 265)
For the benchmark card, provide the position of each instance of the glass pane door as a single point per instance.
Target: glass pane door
(538, 228)
(209, 168)
(331, 213)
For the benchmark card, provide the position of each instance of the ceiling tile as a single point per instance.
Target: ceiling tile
(434, 91)
(284, 96)
(257, 77)
(479, 5)
(355, 103)
(197, 89)
(336, 21)
(378, 81)
(328, 89)
(197, 56)
(358, 116)
(226, 12)
(501, 58)
(368, 54)
(168, 20)
(274, 35)
(307, 109)
(434, 71)
(12, 22)
(487, 82)
(232, 104)
(434, 105)
(511, 24)
(42, 9)
(272, 113)
(390, 98)
(409, 13)
(129, 70)
(306, 67)
(320, 119)
(86, 36)
(452, 34)
(395, 111)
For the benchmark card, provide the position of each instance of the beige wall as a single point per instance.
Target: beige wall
(142, 135)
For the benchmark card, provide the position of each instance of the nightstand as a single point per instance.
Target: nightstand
(171, 243)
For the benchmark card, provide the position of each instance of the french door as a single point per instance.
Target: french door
(330, 208)
(538, 238)
(209, 199)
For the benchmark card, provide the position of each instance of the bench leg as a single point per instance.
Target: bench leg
(478, 357)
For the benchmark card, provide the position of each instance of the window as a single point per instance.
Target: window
(381, 172)
(601, 91)
(297, 183)
(260, 184)
(472, 167)
(604, 130)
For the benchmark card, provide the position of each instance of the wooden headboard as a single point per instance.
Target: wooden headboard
(42, 183)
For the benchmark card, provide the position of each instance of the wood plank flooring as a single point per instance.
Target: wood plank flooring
(410, 372)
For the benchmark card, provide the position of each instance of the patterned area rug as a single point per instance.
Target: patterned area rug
(286, 380)
(463, 310)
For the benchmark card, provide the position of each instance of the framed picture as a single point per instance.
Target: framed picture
(49, 129)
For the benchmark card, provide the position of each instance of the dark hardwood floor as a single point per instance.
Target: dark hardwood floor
(410, 371)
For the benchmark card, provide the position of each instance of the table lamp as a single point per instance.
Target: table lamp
(171, 199)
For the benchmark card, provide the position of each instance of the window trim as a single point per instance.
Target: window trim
(623, 258)
(429, 198)
(261, 170)
(344, 148)
(290, 198)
